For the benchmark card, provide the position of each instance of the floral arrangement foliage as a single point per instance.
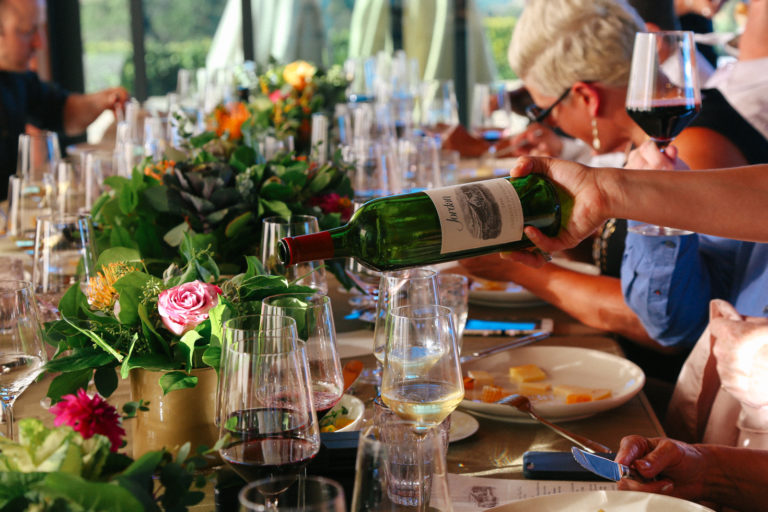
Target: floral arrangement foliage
(76, 465)
(127, 318)
(221, 188)
(284, 98)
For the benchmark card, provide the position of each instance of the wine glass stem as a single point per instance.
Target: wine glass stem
(423, 499)
(8, 419)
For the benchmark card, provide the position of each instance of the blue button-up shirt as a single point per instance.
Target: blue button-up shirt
(669, 281)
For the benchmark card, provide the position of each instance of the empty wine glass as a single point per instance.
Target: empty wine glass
(491, 111)
(22, 353)
(453, 290)
(663, 95)
(265, 411)
(63, 256)
(439, 108)
(314, 321)
(38, 156)
(409, 287)
(311, 273)
(310, 494)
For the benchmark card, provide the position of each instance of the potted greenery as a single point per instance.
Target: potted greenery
(162, 333)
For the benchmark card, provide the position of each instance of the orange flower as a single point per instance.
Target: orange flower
(299, 74)
(100, 292)
(158, 169)
(229, 119)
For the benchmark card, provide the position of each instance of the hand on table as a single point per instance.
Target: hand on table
(536, 140)
(669, 466)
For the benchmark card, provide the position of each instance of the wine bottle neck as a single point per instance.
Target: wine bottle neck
(311, 247)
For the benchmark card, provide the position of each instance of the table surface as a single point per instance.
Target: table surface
(496, 449)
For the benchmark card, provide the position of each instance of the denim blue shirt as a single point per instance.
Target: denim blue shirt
(669, 281)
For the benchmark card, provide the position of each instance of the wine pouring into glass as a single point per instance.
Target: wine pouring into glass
(663, 96)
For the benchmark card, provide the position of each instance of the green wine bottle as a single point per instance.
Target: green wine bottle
(432, 226)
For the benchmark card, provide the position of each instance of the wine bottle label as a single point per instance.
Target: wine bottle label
(478, 214)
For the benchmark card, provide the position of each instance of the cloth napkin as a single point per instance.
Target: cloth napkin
(722, 385)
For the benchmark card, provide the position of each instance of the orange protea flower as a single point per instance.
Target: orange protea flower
(100, 292)
(230, 119)
(157, 169)
(299, 74)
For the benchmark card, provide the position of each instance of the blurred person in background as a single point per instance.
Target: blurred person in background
(24, 98)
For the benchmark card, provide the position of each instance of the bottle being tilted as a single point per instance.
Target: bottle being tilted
(437, 225)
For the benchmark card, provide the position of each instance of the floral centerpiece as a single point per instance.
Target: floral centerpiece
(126, 318)
(76, 465)
(219, 188)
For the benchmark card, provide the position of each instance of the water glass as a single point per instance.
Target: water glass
(310, 494)
(63, 256)
(311, 273)
(453, 290)
(387, 474)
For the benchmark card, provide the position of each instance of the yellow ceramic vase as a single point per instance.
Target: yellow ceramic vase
(185, 415)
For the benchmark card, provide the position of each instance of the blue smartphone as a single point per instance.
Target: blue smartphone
(477, 327)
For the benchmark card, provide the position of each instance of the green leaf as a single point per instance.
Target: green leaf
(295, 178)
(187, 346)
(157, 198)
(116, 182)
(84, 358)
(69, 305)
(125, 368)
(128, 200)
(118, 255)
(90, 495)
(98, 340)
(120, 237)
(154, 362)
(201, 140)
(217, 315)
(321, 180)
(276, 191)
(242, 158)
(277, 207)
(68, 383)
(212, 357)
(156, 340)
(238, 224)
(176, 234)
(173, 381)
(105, 379)
(130, 289)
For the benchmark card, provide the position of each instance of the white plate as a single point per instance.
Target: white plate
(511, 295)
(355, 409)
(563, 365)
(462, 426)
(610, 501)
(501, 295)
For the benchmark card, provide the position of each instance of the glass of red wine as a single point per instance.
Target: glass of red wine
(267, 420)
(314, 321)
(663, 95)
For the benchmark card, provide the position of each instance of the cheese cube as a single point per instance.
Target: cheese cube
(481, 378)
(526, 373)
(601, 394)
(535, 388)
(573, 394)
(491, 394)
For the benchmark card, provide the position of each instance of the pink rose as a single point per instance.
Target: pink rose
(184, 307)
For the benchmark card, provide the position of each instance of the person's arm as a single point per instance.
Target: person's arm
(80, 110)
(593, 300)
(753, 43)
(723, 202)
(729, 476)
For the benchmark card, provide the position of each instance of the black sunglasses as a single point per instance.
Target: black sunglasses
(537, 114)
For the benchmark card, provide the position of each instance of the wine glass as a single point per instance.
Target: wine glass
(439, 108)
(310, 494)
(311, 273)
(491, 112)
(63, 256)
(409, 287)
(22, 353)
(422, 381)
(38, 156)
(663, 95)
(314, 321)
(265, 407)
(453, 290)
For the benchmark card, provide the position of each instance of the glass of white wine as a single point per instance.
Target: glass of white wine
(421, 381)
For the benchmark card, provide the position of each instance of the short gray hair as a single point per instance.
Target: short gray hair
(559, 42)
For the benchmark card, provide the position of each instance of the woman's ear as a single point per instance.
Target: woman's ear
(589, 95)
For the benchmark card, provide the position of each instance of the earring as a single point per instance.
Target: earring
(595, 135)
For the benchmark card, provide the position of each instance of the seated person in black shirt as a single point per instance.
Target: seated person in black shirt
(24, 98)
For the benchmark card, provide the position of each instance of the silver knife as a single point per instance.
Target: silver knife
(517, 342)
(600, 466)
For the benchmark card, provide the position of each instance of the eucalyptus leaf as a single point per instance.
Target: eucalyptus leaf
(176, 235)
(173, 381)
(238, 224)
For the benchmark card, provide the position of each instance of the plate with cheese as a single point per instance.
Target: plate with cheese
(563, 383)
